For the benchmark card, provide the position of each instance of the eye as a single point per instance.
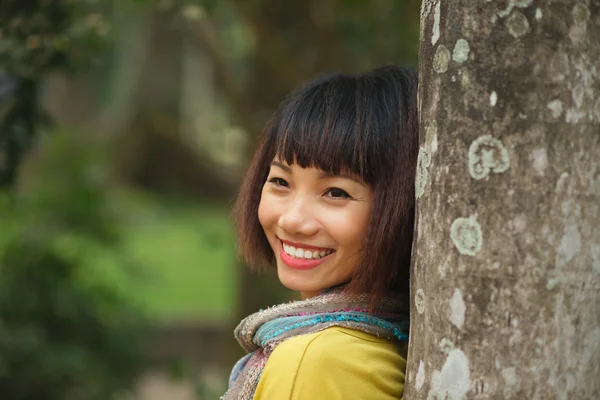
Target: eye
(337, 193)
(279, 182)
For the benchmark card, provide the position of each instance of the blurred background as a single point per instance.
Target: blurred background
(125, 130)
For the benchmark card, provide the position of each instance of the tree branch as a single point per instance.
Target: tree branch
(202, 33)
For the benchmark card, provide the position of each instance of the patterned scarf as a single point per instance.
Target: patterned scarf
(261, 332)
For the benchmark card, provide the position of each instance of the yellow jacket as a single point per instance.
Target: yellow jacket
(336, 363)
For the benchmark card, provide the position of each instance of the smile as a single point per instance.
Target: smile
(302, 258)
(305, 254)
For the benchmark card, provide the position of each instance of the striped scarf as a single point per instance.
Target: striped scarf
(261, 332)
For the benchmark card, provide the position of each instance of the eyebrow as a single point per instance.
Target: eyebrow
(282, 166)
(322, 175)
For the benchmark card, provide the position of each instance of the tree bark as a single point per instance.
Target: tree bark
(506, 273)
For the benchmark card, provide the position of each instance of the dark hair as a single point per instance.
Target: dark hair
(366, 125)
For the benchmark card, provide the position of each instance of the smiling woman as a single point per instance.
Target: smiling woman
(329, 201)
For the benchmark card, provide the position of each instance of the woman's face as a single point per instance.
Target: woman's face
(315, 223)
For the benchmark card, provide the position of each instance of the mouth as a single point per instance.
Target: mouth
(299, 256)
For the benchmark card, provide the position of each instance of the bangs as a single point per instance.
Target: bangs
(326, 126)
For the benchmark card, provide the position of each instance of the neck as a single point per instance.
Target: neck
(308, 295)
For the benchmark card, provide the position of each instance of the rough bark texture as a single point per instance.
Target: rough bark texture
(506, 278)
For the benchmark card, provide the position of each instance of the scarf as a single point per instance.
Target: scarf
(260, 333)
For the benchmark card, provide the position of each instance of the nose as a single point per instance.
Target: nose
(298, 218)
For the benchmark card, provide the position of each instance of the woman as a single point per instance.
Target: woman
(329, 200)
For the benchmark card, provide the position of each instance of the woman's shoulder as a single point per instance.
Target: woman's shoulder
(333, 361)
(342, 345)
(339, 337)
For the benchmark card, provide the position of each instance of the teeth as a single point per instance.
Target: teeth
(305, 254)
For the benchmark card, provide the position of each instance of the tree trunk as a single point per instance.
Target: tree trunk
(151, 149)
(506, 273)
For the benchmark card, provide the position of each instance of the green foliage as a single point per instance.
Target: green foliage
(379, 32)
(188, 255)
(36, 37)
(19, 116)
(63, 333)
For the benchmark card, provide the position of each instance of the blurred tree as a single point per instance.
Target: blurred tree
(35, 38)
(506, 273)
(258, 52)
(64, 332)
(151, 149)
(262, 50)
(17, 120)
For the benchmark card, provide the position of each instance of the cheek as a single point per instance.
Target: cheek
(267, 214)
(349, 229)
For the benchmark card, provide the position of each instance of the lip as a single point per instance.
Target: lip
(296, 263)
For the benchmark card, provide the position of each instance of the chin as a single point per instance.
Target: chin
(298, 281)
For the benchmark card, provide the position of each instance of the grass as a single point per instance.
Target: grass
(184, 255)
(176, 259)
